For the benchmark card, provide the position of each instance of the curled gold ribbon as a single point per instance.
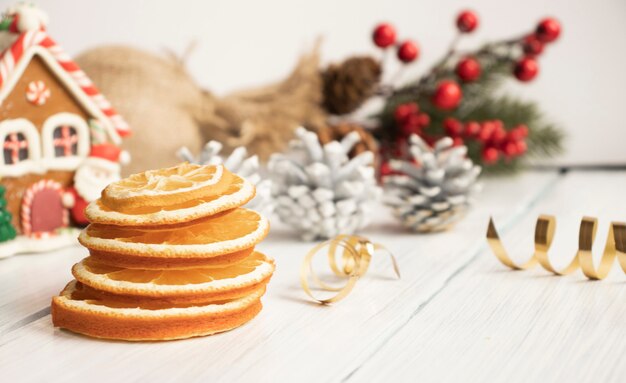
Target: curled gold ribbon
(356, 254)
(615, 247)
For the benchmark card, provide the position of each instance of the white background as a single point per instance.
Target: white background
(242, 43)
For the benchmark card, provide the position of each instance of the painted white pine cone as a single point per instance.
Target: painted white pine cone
(434, 191)
(319, 190)
(239, 163)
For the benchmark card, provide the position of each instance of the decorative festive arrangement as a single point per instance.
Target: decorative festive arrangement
(458, 97)
(433, 190)
(544, 233)
(240, 163)
(319, 190)
(59, 137)
(356, 254)
(171, 255)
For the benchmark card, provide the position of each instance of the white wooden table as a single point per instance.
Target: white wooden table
(456, 314)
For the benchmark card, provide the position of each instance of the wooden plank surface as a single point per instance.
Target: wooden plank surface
(493, 324)
(292, 338)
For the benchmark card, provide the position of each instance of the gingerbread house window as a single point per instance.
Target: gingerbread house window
(65, 138)
(20, 147)
(15, 148)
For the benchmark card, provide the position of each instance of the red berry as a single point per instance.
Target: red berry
(384, 35)
(447, 95)
(523, 129)
(472, 129)
(423, 119)
(497, 125)
(499, 134)
(403, 111)
(510, 149)
(408, 51)
(467, 21)
(453, 127)
(457, 141)
(513, 135)
(521, 147)
(468, 69)
(526, 69)
(532, 46)
(486, 130)
(411, 125)
(518, 133)
(490, 155)
(548, 30)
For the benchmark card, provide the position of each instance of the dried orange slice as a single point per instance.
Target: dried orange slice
(163, 187)
(209, 237)
(126, 261)
(77, 310)
(238, 191)
(178, 286)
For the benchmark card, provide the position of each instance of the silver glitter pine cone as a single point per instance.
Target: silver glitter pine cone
(434, 191)
(319, 190)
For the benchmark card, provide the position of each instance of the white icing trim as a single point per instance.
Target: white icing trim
(65, 78)
(47, 140)
(33, 164)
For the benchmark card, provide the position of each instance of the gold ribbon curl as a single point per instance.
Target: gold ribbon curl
(356, 254)
(615, 247)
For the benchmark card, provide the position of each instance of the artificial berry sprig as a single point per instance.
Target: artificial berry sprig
(460, 85)
(494, 140)
(410, 120)
(521, 53)
(384, 36)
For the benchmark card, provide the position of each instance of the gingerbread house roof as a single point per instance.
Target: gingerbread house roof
(14, 60)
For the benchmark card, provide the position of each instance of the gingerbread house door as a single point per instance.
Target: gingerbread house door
(42, 210)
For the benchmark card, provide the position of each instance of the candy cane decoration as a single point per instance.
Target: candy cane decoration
(37, 93)
(32, 38)
(27, 202)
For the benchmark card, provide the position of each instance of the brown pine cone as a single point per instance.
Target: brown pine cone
(336, 132)
(349, 84)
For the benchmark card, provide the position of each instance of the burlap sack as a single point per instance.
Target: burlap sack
(167, 110)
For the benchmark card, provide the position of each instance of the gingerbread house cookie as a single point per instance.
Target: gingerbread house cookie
(60, 138)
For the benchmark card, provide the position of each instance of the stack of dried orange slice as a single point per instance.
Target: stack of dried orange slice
(171, 255)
